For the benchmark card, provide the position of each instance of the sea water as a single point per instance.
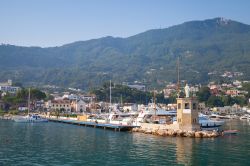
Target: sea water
(52, 144)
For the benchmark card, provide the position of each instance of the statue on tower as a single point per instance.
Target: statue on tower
(187, 91)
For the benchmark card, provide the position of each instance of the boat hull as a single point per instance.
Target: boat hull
(29, 120)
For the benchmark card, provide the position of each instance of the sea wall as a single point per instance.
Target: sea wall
(173, 130)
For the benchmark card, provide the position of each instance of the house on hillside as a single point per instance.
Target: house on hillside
(232, 92)
(8, 88)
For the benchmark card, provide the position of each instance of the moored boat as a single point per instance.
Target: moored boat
(207, 124)
(31, 118)
(245, 117)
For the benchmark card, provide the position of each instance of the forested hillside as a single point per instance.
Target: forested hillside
(150, 57)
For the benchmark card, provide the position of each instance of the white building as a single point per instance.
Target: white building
(70, 96)
(78, 106)
(7, 87)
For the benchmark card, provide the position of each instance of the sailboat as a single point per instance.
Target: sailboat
(30, 118)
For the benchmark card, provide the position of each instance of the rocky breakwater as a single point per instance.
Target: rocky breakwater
(177, 133)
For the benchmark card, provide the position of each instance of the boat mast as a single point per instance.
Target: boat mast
(110, 96)
(154, 104)
(29, 102)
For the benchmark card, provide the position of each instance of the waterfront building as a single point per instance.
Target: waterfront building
(78, 106)
(56, 105)
(201, 106)
(39, 105)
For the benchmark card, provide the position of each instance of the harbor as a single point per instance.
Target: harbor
(59, 143)
(186, 121)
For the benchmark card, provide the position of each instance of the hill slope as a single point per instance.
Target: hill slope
(149, 57)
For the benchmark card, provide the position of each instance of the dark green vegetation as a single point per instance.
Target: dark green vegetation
(204, 95)
(21, 98)
(149, 57)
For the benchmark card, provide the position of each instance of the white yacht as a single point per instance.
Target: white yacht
(206, 123)
(209, 124)
(216, 116)
(31, 118)
(155, 115)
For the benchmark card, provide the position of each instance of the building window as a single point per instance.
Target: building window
(187, 106)
(179, 105)
(194, 106)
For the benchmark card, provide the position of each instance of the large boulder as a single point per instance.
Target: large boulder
(198, 134)
(161, 132)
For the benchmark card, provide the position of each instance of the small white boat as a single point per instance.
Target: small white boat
(31, 118)
(230, 132)
(216, 116)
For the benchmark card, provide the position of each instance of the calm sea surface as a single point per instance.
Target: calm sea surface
(64, 144)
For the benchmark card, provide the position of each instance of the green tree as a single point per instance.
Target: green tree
(1, 112)
(203, 94)
(37, 94)
(215, 101)
(246, 87)
(239, 100)
(226, 100)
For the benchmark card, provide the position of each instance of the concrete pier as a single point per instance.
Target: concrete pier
(104, 126)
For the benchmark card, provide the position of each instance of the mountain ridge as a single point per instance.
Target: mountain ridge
(148, 57)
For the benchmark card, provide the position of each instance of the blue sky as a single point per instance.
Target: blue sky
(57, 22)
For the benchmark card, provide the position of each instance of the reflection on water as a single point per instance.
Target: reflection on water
(184, 150)
(62, 144)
